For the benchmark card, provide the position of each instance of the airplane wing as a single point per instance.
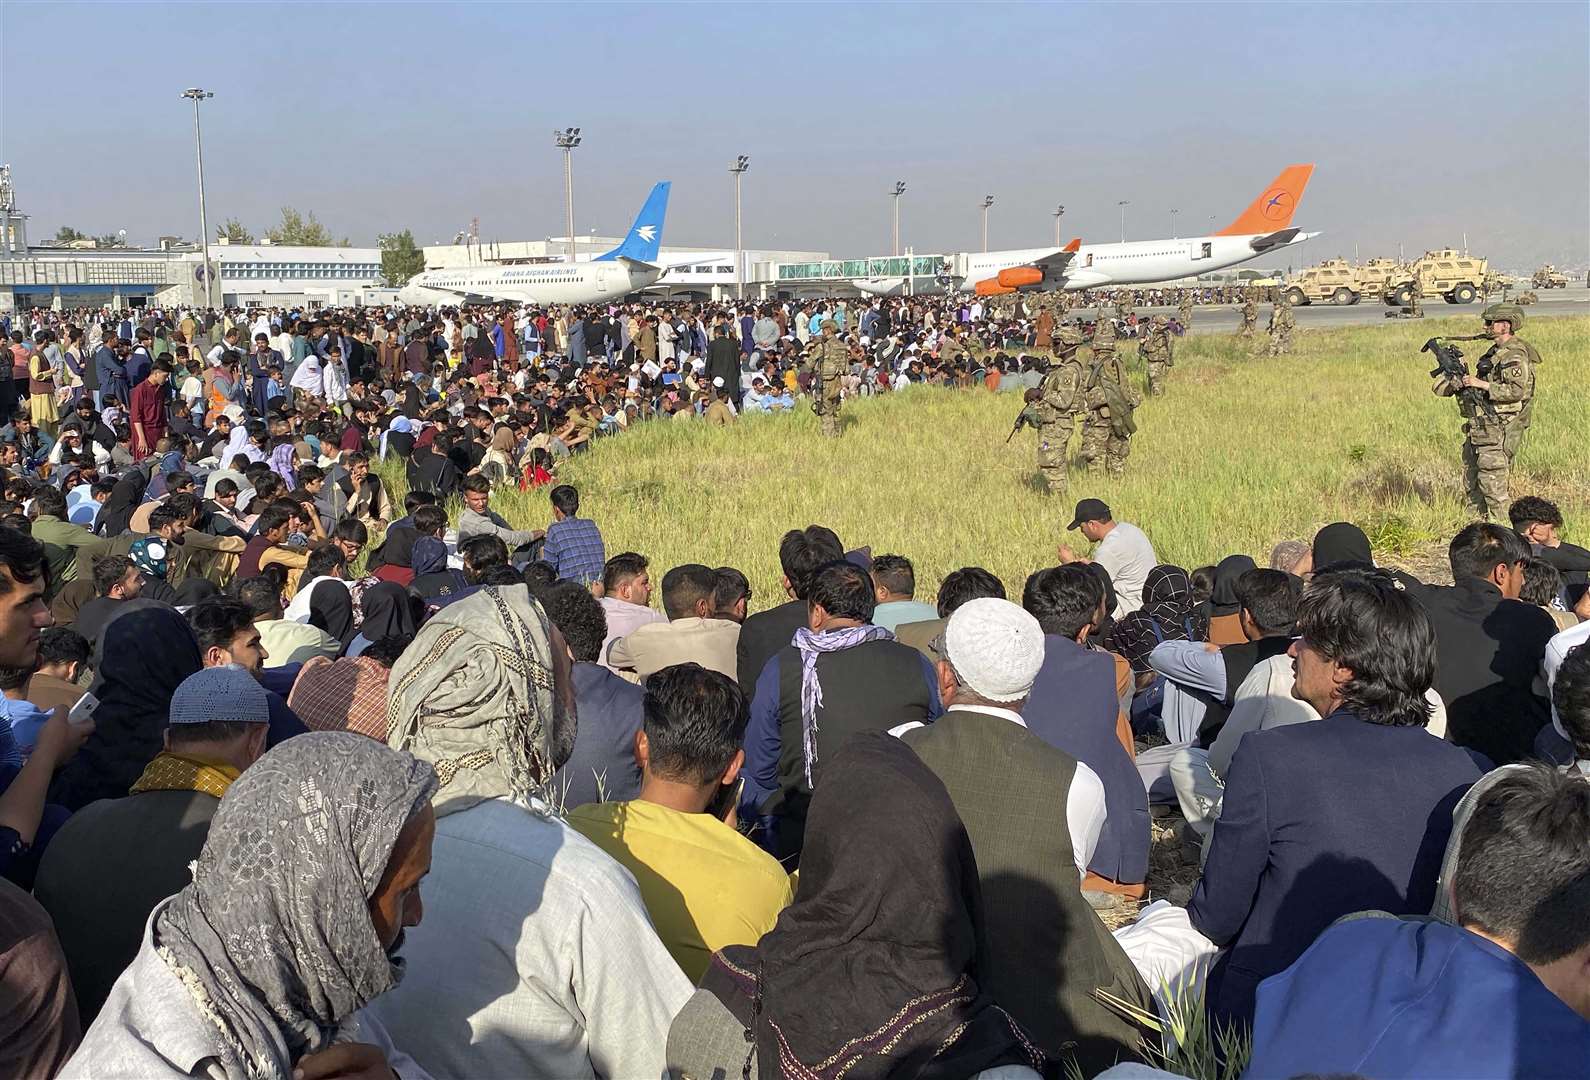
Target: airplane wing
(1057, 260)
(1273, 240)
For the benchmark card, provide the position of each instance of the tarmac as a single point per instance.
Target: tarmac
(1226, 319)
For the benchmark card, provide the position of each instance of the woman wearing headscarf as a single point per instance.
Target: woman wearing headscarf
(388, 612)
(394, 560)
(143, 655)
(151, 557)
(116, 514)
(1225, 618)
(873, 971)
(263, 965)
(1167, 614)
(330, 608)
(1340, 542)
(432, 576)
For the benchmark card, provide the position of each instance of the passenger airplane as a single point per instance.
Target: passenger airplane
(1265, 226)
(632, 265)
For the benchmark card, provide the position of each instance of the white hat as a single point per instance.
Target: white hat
(995, 647)
(717, 380)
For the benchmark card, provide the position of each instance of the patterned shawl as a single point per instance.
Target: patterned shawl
(473, 695)
(811, 646)
(273, 938)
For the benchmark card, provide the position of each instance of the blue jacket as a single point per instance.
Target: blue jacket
(110, 372)
(1393, 998)
(1318, 821)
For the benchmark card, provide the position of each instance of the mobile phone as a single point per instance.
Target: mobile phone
(727, 798)
(83, 711)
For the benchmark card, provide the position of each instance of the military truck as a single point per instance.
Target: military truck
(1548, 277)
(1340, 282)
(1446, 273)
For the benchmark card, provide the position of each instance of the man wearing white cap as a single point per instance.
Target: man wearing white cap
(1033, 814)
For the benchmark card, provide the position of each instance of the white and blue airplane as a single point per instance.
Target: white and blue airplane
(630, 266)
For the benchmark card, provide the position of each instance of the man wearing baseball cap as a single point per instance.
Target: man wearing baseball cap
(137, 849)
(1034, 814)
(1123, 550)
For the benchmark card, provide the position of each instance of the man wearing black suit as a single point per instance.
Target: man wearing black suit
(1349, 813)
(723, 362)
(800, 553)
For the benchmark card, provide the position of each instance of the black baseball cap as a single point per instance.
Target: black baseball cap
(1090, 510)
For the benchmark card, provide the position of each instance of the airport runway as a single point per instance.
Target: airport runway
(1226, 319)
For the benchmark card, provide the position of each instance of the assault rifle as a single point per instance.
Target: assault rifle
(1449, 362)
(1028, 417)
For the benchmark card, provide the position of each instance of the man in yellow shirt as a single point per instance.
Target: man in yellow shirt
(704, 884)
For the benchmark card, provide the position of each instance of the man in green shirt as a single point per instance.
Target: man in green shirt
(704, 884)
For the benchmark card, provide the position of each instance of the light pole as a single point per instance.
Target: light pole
(738, 167)
(567, 140)
(1123, 204)
(1059, 212)
(196, 95)
(899, 189)
(1173, 222)
(988, 200)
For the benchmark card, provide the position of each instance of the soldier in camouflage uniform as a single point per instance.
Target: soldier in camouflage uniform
(1506, 377)
(1156, 349)
(1123, 306)
(1415, 299)
(1282, 323)
(1060, 396)
(1184, 308)
(830, 362)
(1250, 317)
(1110, 398)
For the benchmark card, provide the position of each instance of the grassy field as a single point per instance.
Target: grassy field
(1240, 453)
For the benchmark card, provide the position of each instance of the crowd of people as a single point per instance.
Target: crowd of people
(300, 776)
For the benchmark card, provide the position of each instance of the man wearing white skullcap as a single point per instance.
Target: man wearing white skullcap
(1034, 814)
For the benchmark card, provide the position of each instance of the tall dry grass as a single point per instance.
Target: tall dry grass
(1241, 453)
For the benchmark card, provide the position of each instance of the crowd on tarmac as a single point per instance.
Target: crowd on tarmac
(300, 777)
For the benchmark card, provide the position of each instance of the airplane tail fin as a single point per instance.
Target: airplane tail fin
(1273, 209)
(1074, 246)
(645, 236)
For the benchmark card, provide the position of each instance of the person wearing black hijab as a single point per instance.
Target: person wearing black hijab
(873, 971)
(1341, 542)
(116, 514)
(389, 611)
(331, 610)
(143, 655)
(1225, 621)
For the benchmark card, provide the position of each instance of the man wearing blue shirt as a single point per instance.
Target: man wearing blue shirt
(574, 544)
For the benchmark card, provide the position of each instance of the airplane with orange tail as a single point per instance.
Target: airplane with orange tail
(1264, 227)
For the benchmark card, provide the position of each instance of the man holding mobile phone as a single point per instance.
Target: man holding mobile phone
(705, 885)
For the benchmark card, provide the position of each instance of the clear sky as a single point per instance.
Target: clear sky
(1426, 120)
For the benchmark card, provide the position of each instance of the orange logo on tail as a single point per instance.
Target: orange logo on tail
(1274, 209)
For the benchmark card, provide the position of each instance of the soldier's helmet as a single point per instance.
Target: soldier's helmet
(829, 324)
(1511, 313)
(1069, 336)
(1160, 320)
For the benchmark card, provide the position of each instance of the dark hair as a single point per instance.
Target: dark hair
(502, 574)
(163, 515)
(218, 620)
(1203, 583)
(1523, 872)
(565, 500)
(622, 568)
(802, 551)
(23, 558)
(308, 474)
(1063, 599)
(1532, 509)
(695, 720)
(480, 554)
(62, 645)
(416, 499)
(352, 530)
(322, 560)
(272, 517)
(1542, 582)
(262, 595)
(1362, 619)
(49, 500)
(109, 570)
(184, 504)
(1570, 697)
(844, 590)
(1482, 547)
(213, 731)
(386, 651)
(894, 574)
(429, 520)
(684, 586)
(181, 478)
(967, 583)
(579, 618)
(1270, 598)
(476, 483)
(732, 586)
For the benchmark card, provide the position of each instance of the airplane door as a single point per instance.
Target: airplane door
(1204, 250)
(601, 280)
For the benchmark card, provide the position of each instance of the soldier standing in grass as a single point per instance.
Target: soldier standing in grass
(1060, 396)
(1156, 349)
(1184, 308)
(1250, 317)
(830, 362)
(1415, 299)
(1107, 428)
(1282, 323)
(1505, 375)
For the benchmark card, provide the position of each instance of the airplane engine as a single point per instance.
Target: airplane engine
(992, 287)
(1017, 276)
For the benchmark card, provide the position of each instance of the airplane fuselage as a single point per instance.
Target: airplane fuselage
(548, 283)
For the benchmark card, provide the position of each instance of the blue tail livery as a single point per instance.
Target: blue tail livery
(645, 236)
